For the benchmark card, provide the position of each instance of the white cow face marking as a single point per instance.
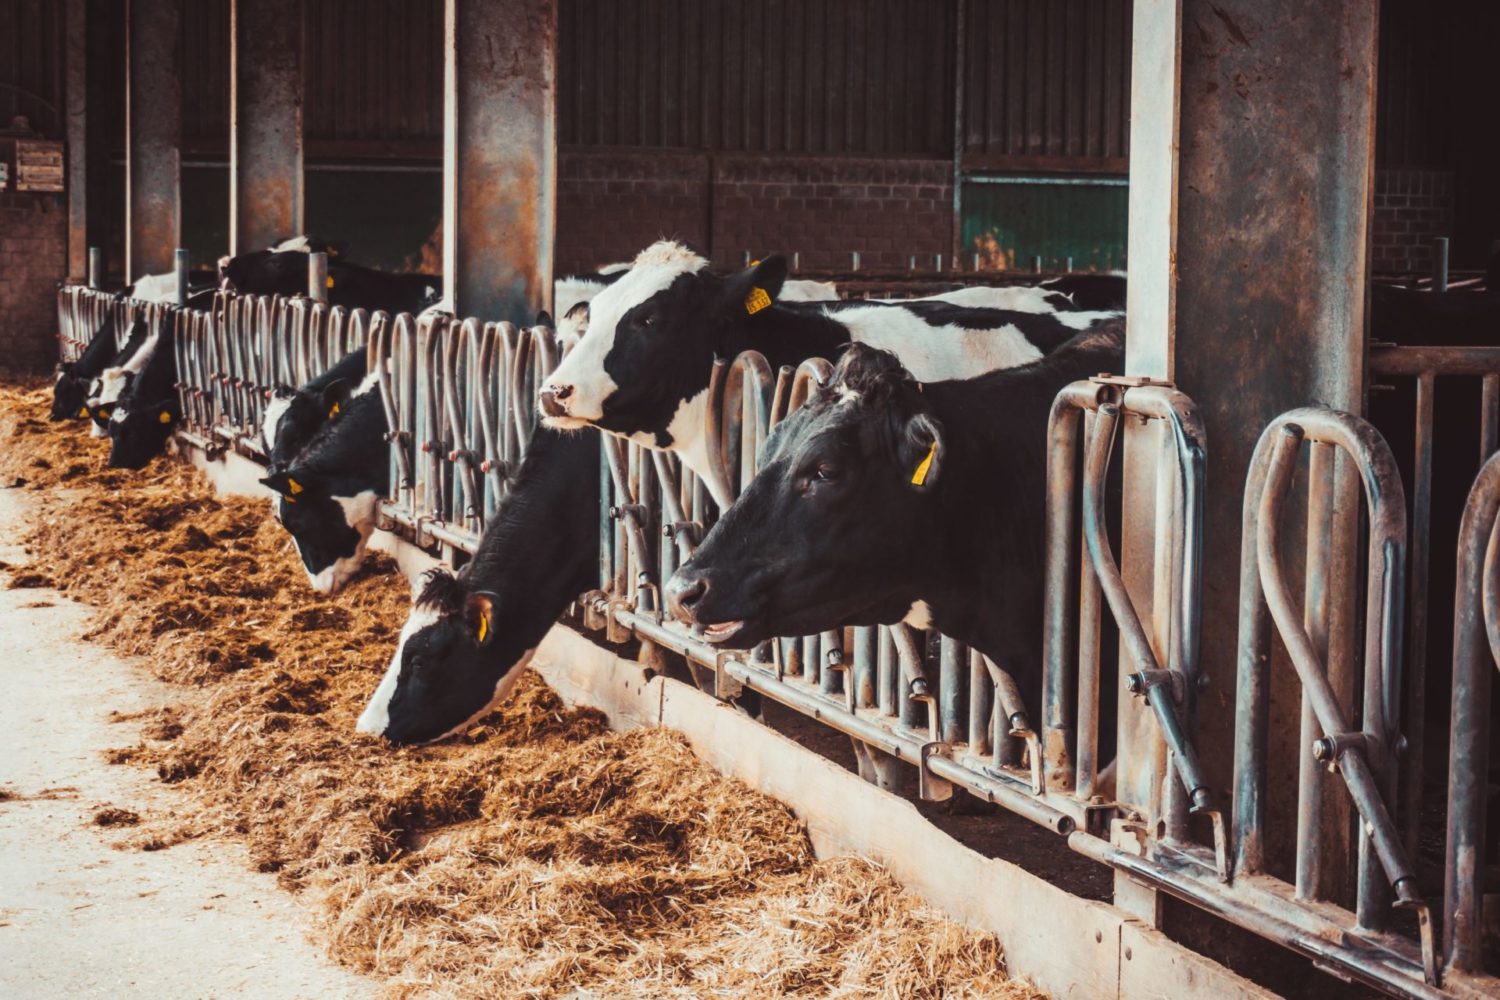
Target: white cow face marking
(577, 393)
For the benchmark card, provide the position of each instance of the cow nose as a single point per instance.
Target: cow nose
(685, 593)
(552, 399)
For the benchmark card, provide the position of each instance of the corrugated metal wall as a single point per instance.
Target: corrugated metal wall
(798, 76)
(1047, 78)
(31, 56)
(374, 70)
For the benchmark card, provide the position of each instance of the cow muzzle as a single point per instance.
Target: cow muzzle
(553, 400)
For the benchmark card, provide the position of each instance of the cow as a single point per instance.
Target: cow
(284, 272)
(642, 369)
(163, 288)
(148, 409)
(70, 394)
(571, 297)
(469, 636)
(105, 390)
(328, 496)
(293, 416)
(886, 499)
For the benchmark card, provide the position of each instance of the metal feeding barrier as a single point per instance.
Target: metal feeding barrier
(922, 708)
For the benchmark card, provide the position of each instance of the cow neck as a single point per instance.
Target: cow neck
(541, 549)
(984, 576)
(787, 334)
(350, 450)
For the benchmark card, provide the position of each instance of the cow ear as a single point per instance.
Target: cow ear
(543, 318)
(921, 451)
(479, 616)
(749, 291)
(290, 483)
(336, 397)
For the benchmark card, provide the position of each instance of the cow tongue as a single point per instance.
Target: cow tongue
(721, 631)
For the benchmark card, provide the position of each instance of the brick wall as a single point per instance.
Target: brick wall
(611, 204)
(33, 259)
(1412, 208)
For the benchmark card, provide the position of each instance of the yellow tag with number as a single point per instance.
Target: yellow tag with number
(166, 417)
(484, 626)
(330, 281)
(294, 486)
(920, 476)
(83, 411)
(334, 412)
(757, 300)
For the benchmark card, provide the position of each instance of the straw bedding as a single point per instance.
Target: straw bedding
(538, 855)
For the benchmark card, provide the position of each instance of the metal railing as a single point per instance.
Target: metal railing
(459, 398)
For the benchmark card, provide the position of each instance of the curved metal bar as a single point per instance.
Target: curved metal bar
(1476, 617)
(1351, 751)
(748, 393)
(458, 400)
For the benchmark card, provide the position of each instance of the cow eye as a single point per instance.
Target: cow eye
(824, 472)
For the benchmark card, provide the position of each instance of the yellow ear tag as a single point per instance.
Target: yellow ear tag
(484, 626)
(756, 301)
(920, 476)
(330, 281)
(166, 417)
(334, 412)
(83, 411)
(295, 486)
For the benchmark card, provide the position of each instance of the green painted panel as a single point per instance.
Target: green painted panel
(1055, 218)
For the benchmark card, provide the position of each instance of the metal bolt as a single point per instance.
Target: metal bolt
(1323, 749)
(1135, 684)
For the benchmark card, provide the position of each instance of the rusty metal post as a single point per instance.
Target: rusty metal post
(180, 269)
(499, 156)
(265, 122)
(75, 82)
(317, 277)
(1267, 331)
(153, 130)
(96, 266)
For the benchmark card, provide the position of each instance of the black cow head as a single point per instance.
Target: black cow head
(830, 532)
(293, 416)
(265, 272)
(70, 395)
(139, 431)
(642, 366)
(453, 661)
(330, 529)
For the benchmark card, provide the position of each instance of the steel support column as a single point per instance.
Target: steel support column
(1253, 298)
(75, 86)
(153, 130)
(265, 122)
(499, 156)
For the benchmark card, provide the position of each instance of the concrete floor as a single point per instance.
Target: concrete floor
(79, 917)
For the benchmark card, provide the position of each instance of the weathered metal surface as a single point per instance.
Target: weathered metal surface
(499, 156)
(1468, 746)
(1276, 135)
(76, 73)
(1048, 79)
(265, 123)
(153, 131)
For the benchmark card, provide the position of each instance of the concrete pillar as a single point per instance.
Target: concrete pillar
(499, 156)
(153, 132)
(1252, 157)
(265, 123)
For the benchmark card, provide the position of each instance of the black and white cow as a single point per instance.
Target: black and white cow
(70, 395)
(293, 416)
(329, 494)
(469, 636)
(642, 369)
(104, 391)
(148, 409)
(284, 272)
(886, 499)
